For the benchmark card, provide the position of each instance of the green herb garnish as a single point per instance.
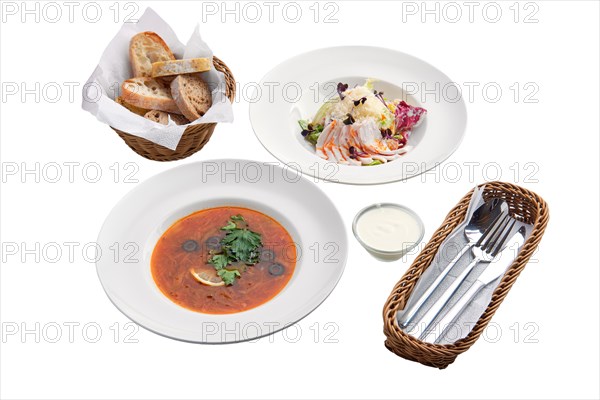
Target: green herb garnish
(313, 137)
(229, 227)
(240, 245)
(310, 131)
(228, 276)
(374, 162)
(219, 261)
(304, 124)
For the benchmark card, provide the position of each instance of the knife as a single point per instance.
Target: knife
(492, 272)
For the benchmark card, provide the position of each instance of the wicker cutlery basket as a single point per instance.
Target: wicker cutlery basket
(525, 206)
(194, 137)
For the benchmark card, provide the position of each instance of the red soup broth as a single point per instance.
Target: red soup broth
(171, 264)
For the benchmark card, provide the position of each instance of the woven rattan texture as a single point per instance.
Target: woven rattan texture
(523, 205)
(194, 138)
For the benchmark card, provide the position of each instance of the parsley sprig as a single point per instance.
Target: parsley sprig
(240, 245)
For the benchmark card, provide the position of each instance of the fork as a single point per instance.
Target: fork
(475, 229)
(490, 274)
(485, 250)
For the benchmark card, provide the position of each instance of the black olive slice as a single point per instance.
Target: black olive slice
(213, 243)
(276, 269)
(190, 246)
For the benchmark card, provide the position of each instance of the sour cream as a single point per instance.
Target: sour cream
(388, 228)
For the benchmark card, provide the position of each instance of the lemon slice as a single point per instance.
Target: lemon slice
(206, 279)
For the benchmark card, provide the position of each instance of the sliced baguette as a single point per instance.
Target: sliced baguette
(131, 107)
(192, 95)
(163, 118)
(179, 119)
(149, 93)
(146, 48)
(179, 67)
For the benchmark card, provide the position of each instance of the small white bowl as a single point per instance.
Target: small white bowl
(405, 246)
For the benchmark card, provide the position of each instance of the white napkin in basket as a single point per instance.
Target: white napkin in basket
(104, 84)
(447, 250)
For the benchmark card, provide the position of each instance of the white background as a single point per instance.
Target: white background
(557, 294)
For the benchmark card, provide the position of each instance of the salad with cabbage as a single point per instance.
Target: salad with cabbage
(361, 127)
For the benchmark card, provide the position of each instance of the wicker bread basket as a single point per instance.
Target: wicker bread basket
(524, 205)
(194, 137)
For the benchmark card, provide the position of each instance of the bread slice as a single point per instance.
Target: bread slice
(178, 67)
(131, 107)
(179, 119)
(149, 93)
(163, 118)
(160, 117)
(192, 95)
(146, 48)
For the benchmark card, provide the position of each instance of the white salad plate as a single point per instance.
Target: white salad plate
(137, 222)
(296, 89)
